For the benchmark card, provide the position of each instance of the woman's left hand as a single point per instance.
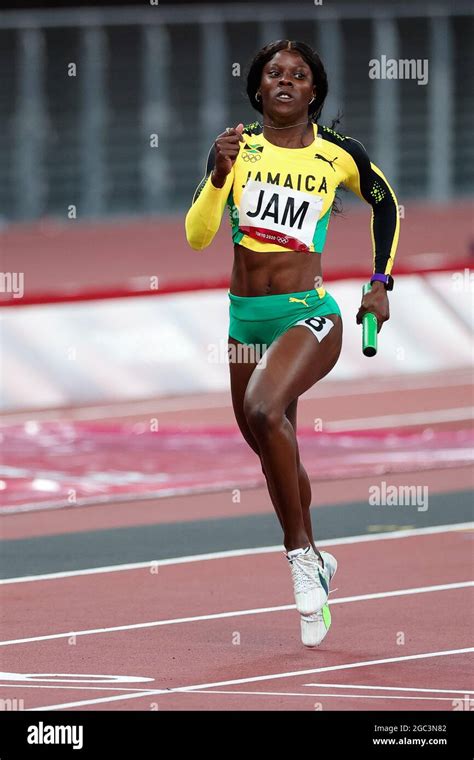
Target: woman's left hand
(375, 302)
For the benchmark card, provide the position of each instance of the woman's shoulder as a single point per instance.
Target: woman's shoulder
(354, 147)
(330, 134)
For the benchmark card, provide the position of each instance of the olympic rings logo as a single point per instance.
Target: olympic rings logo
(252, 157)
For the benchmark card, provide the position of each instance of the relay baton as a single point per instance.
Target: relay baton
(369, 328)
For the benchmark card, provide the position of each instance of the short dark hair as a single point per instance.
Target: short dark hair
(310, 57)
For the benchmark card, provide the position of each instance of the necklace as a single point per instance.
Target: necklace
(289, 125)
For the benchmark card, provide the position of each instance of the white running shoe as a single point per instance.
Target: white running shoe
(310, 580)
(315, 627)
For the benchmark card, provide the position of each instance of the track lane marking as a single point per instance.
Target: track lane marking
(236, 613)
(388, 688)
(256, 679)
(21, 685)
(345, 540)
(328, 696)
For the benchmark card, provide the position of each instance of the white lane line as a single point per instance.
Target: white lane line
(21, 685)
(151, 624)
(328, 696)
(403, 419)
(256, 679)
(388, 688)
(144, 565)
(236, 613)
(197, 691)
(346, 540)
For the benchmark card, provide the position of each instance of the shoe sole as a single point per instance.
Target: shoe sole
(307, 625)
(314, 632)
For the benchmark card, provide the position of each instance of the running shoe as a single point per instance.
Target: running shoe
(310, 580)
(314, 627)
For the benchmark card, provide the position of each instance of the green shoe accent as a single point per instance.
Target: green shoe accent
(326, 616)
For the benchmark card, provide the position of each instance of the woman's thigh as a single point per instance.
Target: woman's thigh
(291, 365)
(240, 374)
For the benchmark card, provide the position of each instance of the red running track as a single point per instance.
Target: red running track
(404, 642)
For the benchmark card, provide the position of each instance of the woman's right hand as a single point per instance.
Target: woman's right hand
(227, 147)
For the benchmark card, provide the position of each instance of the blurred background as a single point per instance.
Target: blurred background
(108, 112)
(83, 90)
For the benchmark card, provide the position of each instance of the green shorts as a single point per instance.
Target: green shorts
(262, 319)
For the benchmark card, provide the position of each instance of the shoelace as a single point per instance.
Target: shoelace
(303, 574)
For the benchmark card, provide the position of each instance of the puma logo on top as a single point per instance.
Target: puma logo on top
(327, 160)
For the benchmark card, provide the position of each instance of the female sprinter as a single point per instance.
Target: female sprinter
(279, 179)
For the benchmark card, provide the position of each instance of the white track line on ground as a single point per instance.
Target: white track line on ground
(235, 613)
(409, 533)
(402, 419)
(202, 402)
(388, 688)
(256, 679)
(328, 696)
(22, 685)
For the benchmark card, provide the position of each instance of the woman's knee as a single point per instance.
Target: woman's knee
(262, 415)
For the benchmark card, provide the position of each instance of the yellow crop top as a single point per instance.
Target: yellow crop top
(281, 198)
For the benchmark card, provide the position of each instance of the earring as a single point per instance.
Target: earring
(313, 98)
(257, 96)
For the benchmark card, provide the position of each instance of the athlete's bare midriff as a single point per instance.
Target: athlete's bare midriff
(262, 274)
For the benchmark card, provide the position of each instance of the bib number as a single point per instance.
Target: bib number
(280, 215)
(320, 326)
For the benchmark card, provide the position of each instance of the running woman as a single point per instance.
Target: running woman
(278, 179)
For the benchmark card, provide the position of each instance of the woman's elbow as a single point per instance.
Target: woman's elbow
(199, 239)
(196, 242)
(194, 235)
(197, 245)
(194, 239)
